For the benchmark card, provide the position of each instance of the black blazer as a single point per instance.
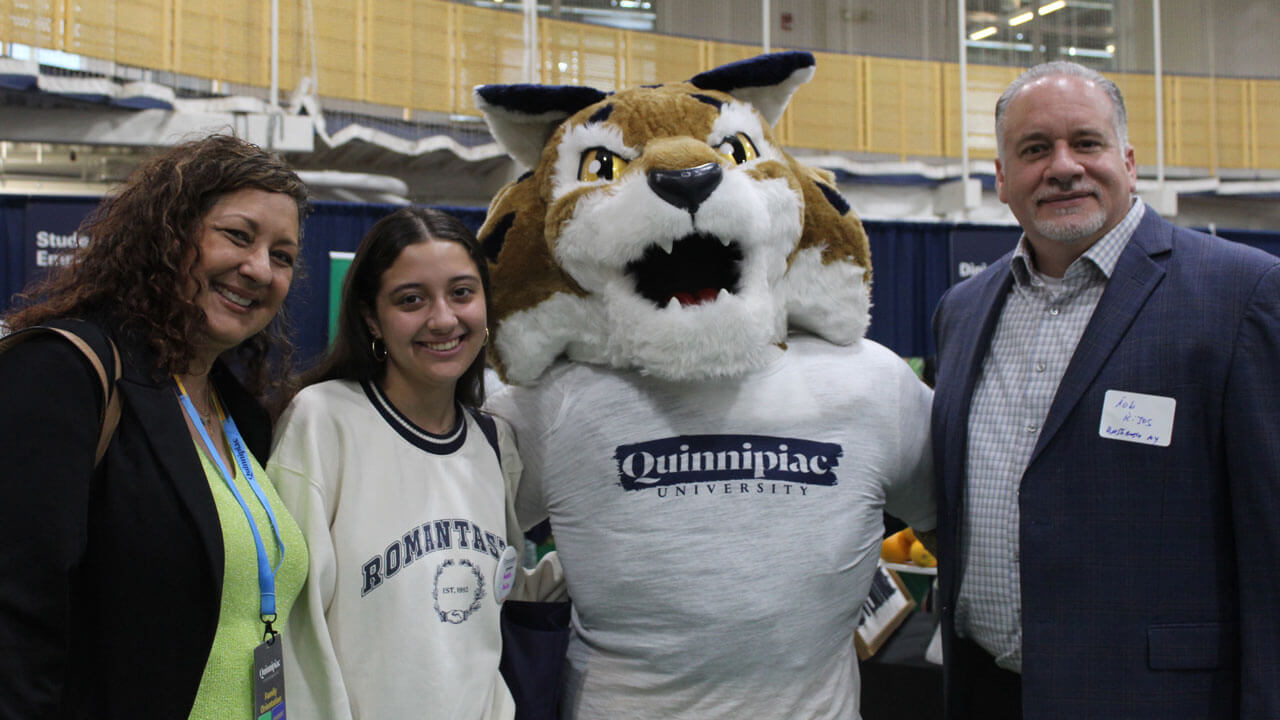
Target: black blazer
(110, 581)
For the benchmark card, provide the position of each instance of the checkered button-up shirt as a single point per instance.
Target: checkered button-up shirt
(1035, 337)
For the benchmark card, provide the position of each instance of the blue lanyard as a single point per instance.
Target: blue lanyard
(266, 575)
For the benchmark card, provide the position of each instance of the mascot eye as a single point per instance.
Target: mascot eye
(739, 147)
(600, 164)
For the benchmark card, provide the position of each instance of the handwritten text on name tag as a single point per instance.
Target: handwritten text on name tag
(1139, 418)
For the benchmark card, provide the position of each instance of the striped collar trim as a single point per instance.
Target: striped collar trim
(435, 444)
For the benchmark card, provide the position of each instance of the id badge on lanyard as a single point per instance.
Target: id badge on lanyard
(268, 658)
(268, 679)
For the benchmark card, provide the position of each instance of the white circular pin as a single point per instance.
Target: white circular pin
(504, 576)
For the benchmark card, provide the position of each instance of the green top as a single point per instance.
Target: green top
(226, 688)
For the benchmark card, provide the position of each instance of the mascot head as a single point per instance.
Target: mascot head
(662, 228)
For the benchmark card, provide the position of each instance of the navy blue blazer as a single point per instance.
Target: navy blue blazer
(1150, 575)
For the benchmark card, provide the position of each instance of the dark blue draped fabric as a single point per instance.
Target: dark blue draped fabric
(34, 233)
(913, 263)
(1261, 239)
(13, 212)
(338, 227)
(333, 226)
(910, 271)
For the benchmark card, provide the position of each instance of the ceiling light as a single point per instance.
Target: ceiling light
(1021, 18)
(1088, 52)
(1056, 5)
(1002, 45)
(985, 32)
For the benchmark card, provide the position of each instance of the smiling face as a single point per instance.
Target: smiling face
(1062, 169)
(248, 247)
(430, 312)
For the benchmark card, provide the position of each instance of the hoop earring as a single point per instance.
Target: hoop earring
(486, 338)
(379, 349)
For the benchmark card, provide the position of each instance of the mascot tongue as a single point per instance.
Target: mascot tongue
(703, 295)
(693, 272)
(663, 228)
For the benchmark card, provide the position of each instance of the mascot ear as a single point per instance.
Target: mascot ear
(765, 81)
(522, 117)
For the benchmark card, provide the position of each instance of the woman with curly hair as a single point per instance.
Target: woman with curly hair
(142, 584)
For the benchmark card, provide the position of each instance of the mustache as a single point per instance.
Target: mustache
(1082, 188)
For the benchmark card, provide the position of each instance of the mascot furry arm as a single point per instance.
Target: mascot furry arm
(662, 228)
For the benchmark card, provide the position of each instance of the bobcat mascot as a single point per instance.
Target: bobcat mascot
(679, 307)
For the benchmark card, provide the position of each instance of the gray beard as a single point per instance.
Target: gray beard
(1072, 228)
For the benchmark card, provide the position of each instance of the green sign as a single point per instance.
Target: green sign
(338, 264)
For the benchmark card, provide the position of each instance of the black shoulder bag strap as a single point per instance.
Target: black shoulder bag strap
(490, 430)
(535, 636)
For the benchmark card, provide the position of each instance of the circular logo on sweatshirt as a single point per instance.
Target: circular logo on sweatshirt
(459, 588)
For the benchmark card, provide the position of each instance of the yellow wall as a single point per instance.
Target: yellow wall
(428, 55)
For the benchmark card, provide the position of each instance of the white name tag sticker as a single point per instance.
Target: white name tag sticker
(1135, 417)
(504, 576)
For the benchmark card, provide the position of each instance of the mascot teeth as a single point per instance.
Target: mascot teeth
(646, 275)
(686, 248)
(694, 271)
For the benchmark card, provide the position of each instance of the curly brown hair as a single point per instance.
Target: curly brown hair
(142, 239)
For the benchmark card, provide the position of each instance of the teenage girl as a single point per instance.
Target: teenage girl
(402, 489)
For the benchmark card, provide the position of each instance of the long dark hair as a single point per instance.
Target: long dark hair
(350, 356)
(142, 239)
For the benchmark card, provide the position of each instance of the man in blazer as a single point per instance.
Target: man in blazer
(1106, 434)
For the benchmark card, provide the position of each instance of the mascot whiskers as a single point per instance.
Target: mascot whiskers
(680, 307)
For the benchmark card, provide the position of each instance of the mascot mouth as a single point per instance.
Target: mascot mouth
(693, 272)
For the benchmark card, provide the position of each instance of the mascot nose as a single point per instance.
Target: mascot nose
(686, 188)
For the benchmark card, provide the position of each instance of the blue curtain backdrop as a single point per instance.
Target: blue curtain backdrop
(335, 226)
(914, 263)
(13, 213)
(910, 269)
(1263, 240)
